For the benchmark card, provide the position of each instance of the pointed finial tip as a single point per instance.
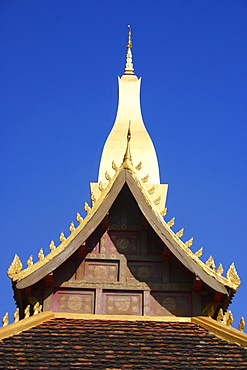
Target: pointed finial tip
(129, 68)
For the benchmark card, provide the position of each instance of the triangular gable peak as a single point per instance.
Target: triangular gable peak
(123, 258)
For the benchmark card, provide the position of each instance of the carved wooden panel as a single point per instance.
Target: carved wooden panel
(106, 245)
(126, 242)
(74, 301)
(122, 303)
(101, 271)
(146, 271)
(179, 304)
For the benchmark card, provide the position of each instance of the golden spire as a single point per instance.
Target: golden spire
(129, 68)
(127, 156)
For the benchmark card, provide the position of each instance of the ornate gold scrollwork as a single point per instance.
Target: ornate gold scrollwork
(171, 222)
(41, 254)
(107, 176)
(15, 267)
(79, 218)
(164, 212)
(37, 308)
(145, 179)
(16, 315)
(27, 312)
(157, 201)
(86, 207)
(62, 237)
(210, 263)
(30, 261)
(180, 233)
(199, 252)
(241, 324)
(139, 166)
(114, 166)
(220, 269)
(189, 242)
(72, 227)
(232, 275)
(5, 319)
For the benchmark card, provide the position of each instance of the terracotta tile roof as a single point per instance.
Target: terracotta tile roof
(103, 344)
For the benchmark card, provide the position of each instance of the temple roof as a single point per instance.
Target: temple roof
(101, 206)
(117, 344)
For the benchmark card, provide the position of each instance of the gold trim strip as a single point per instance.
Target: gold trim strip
(24, 324)
(221, 330)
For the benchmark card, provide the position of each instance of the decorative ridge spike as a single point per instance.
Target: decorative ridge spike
(129, 68)
(241, 324)
(15, 267)
(189, 242)
(232, 275)
(180, 233)
(127, 160)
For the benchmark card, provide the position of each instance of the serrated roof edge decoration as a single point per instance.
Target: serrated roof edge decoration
(16, 274)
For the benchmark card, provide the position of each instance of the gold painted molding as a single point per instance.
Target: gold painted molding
(221, 330)
(24, 324)
(66, 315)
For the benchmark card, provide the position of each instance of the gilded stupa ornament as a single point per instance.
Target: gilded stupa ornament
(157, 201)
(30, 261)
(139, 166)
(72, 227)
(199, 252)
(241, 324)
(171, 222)
(41, 254)
(27, 312)
(145, 179)
(62, 237)
(220, 269)
(79, 218)
(129, 68)
(228, 318)
(114, 166)
(15, 267)
(180, 233)
(16, 315)
(189, 242)
(86, 207)
(164, 212)
(220, 315)
(52, 246)
(37, 308)
(232, 275)
(5, 319)
(151, 190)
(210, 263)
(107, 176)
(101, 187)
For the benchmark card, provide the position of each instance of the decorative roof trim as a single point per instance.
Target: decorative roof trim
(30, 322)
(221, 330)
(114, 187)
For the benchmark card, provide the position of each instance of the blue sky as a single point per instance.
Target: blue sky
(59, 66)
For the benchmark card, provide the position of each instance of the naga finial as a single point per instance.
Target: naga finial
(129, 68)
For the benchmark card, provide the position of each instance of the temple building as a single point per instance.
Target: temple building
(122, 290)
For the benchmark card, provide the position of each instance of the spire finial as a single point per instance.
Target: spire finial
(127, 159)
(129, 68)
